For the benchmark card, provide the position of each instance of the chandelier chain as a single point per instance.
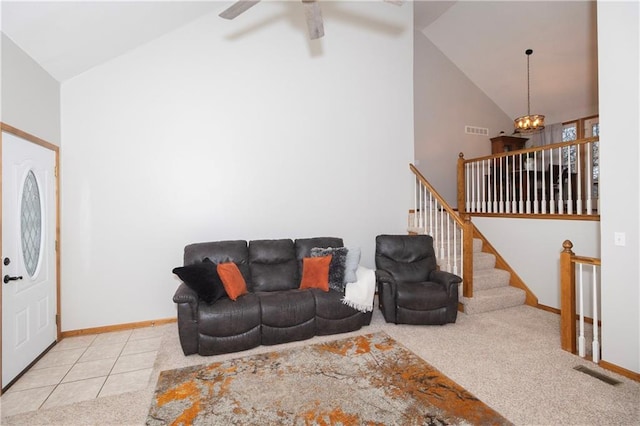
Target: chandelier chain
(528, 89)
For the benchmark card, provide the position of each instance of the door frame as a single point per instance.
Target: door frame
(41, 142)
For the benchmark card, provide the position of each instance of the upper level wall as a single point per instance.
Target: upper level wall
(30, 96)
(445, 101)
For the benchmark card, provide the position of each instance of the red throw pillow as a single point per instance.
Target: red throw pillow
(315, 272)
(232, 280)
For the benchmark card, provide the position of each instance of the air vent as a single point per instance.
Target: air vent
(597, 375)
(473, 130)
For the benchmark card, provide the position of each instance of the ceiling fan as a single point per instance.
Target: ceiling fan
(311, 10)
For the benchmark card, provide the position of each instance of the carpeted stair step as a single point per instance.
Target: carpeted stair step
(493, 299)
(486, 279)
(482, 260)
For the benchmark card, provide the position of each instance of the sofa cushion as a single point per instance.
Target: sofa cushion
(336, 268)
(232, 280)
(202, 277)
(272, 265)
(421, 296)
(228, 318)
(315, 272)
(235, 251)
(287, 316)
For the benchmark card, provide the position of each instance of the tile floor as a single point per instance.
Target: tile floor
(86, 367)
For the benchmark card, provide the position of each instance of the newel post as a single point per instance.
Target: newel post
(567, 298)
(461, 184)
(467, 256)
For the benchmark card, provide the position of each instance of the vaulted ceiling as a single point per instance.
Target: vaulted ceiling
(486, 40)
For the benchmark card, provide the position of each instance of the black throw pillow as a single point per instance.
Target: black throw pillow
(202, 278)
(337, 265)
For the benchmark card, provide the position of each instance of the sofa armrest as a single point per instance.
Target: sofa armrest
(185, 295)
(187, 301)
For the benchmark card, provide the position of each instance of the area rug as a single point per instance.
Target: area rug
(363, 380)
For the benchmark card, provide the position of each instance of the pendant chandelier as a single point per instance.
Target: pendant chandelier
(528, 123)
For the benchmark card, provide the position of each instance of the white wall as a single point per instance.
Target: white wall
(445, 102)
(618, 70)
(231, 130)
(532, 248)
(30, 96)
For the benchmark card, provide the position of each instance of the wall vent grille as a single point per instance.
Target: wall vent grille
(473, 130)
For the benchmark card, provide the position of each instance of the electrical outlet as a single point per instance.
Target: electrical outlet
(619, 238)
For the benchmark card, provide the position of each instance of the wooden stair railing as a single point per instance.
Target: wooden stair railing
(552, 181)
(433, 215)
(568, 335)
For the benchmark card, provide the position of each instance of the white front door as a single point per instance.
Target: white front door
(29, 305)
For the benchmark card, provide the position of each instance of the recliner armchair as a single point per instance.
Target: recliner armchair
(411, 289)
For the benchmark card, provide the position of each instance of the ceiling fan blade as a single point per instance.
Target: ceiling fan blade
(314, 19)
(237, 8)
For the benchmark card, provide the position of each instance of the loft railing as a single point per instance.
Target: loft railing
(588, 272)
(559, 179)
(452, 233)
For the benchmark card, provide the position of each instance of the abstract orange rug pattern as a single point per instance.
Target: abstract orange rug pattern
(363, 380)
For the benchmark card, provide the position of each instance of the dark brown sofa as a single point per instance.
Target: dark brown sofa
(274, 311)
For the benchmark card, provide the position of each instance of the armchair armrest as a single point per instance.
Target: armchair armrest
(384, 279)
(450, 282)
(447, 279)
(386, 294)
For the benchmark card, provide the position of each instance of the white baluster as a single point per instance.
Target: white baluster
(455, 248)
(495, 193)
(415, 203)
(552, 195)
(589, 185)
(535, 182)
(569, 183)
(478, 193)
(560, 184)
(595, 349)
(483, 189)
(578, 181)
(431, 214)
(543, 202)
(441, 231)
(514, 203)
(521, 202)
(448, 243)
(581, 346)
(507, 179)
(467, 177)
(501, 186)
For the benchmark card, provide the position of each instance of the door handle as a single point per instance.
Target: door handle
(7, 278)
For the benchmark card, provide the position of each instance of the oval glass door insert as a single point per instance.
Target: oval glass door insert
(31, 223)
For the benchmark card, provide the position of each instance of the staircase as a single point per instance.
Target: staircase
(491, 286)
(491, 289)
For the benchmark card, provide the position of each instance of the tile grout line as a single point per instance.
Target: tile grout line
(77, 361)
(114, 364)
(65, 375)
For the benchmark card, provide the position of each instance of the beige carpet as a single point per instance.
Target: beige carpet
(511, 360)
